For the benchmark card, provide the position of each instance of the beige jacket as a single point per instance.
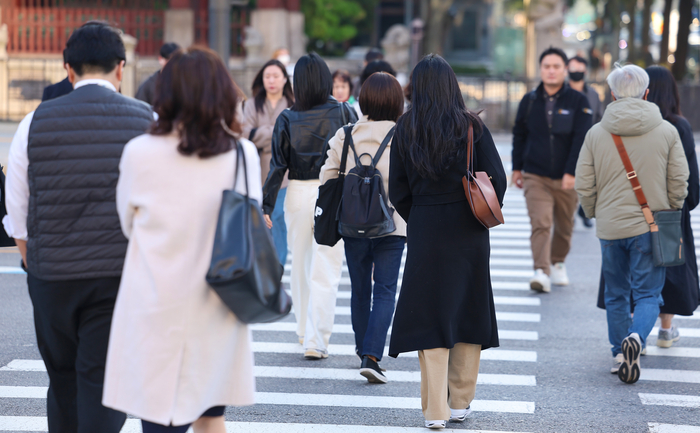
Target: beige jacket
(656, 152)
(367, 136)
(175, 349)
(263, 123)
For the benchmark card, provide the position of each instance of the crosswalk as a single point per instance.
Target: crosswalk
(505, 372)
(686, 371)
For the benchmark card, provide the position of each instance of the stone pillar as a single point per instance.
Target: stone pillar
(129, 78)
(544, 23)
(179, 23)
(281, 25)
(4, 78)
(220, 28)
(396, 44)
(297, 36)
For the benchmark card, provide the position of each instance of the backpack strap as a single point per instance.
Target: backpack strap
(383, 146)
(634, 180)
(346, 144)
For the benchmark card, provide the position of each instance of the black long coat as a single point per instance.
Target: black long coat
(446, 296)
(681, 292)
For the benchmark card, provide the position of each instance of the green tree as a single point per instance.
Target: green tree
(331, 21)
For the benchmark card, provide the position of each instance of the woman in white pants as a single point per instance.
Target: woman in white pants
(299, 144)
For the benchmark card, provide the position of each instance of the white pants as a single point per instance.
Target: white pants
(316, 269)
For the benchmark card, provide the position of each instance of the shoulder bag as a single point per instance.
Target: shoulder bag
(330, 194)
(479, 190)
(245, 271)
(665, 225)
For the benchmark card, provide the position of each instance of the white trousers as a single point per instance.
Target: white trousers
(316, 269)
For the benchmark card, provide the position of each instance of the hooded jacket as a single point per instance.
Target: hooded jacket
(655, 150)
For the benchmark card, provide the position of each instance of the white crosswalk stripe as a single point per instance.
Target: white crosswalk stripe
(511, 268)
(672, 428)
(670, 400)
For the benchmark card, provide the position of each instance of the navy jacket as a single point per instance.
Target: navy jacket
(56, 90)
(544, 151)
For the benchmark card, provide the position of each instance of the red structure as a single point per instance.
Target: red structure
(44, 26)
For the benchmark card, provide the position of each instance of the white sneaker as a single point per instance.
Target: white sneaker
(437, 424)
(540, 282)
(559, 276)
(459, 415)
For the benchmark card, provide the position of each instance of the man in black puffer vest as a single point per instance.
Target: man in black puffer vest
(62, 177)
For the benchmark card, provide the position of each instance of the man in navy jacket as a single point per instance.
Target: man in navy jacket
(550, 126)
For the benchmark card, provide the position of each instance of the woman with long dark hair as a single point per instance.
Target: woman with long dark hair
(272, 94)
(681, 292)
(299, 145)
(445, 309)
(177, 354)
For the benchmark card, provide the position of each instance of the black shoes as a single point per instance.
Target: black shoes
(371, 370)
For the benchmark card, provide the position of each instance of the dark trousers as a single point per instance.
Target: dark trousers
(371, 308)
(72, 321)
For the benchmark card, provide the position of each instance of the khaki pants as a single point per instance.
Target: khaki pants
(548, 205)
(448, 379)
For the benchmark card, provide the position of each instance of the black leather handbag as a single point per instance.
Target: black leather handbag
(245, 270)
(330, 195)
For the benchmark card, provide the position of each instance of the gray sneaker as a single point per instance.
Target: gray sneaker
(617, 362)
(667, 338)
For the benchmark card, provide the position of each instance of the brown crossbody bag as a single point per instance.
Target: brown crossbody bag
(665, 225)
(479, 190)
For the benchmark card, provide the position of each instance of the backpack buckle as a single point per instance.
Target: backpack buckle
(631, 175)
(367, 180)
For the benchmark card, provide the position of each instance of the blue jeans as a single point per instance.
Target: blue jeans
(371, 308)
(279, 228)
(628, 268)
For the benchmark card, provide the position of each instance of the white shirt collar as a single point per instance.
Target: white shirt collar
(103, 83)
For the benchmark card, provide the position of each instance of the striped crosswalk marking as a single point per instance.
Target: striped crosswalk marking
(685, 332)
(672, 428)
(663, 375)
(670, 400)
(683, 352)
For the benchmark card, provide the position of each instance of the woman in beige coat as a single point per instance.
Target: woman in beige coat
(272, 95)
(177, 355)
(372, 260)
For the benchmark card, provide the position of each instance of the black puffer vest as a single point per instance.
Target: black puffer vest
(75, 144)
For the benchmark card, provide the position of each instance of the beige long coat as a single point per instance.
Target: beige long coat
(175, 349)
(263, 123)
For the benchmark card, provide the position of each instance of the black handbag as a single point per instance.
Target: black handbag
(664, 225)
(330, 194)
(245, 270)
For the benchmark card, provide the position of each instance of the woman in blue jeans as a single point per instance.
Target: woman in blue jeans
(378, 259)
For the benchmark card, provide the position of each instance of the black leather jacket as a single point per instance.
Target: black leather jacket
(300, 144)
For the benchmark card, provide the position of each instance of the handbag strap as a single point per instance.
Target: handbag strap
(634, 180)
(470, 150)
(346, 146)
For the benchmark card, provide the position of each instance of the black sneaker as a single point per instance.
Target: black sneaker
(371, 370)
(629, 371)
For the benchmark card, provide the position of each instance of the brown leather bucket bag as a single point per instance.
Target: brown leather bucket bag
(479, 190)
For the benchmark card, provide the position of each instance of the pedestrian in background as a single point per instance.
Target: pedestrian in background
(445, 309)
(372, 68)
(681, 291)
(342, 86)
(59, 89)
(147, 89)
(602, 183)
(550, 126)
(578, 67)
(375, 259)
(300, 146)
(272, 94)
(177, 354)
(371, 55)
(61, 182)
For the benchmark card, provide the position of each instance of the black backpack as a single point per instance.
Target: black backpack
(364, 210)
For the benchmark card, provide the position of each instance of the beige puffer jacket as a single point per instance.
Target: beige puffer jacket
(656, 152)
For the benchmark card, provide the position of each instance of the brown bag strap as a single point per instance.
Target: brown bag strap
(634, 180)
(470, 149)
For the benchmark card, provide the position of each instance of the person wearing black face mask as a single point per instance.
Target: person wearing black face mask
(578, 66)
(577, 71)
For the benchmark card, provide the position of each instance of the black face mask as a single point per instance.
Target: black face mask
(576, 76)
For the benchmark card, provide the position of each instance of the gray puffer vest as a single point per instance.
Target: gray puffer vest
(75, 144)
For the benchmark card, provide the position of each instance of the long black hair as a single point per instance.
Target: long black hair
(663, 92)
(313, 83)
(259, 86)
(432, 134)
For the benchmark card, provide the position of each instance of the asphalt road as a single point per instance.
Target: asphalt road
(551, 373)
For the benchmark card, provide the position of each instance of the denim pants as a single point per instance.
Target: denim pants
(279, 228)
(628, 268)
(372, 308)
